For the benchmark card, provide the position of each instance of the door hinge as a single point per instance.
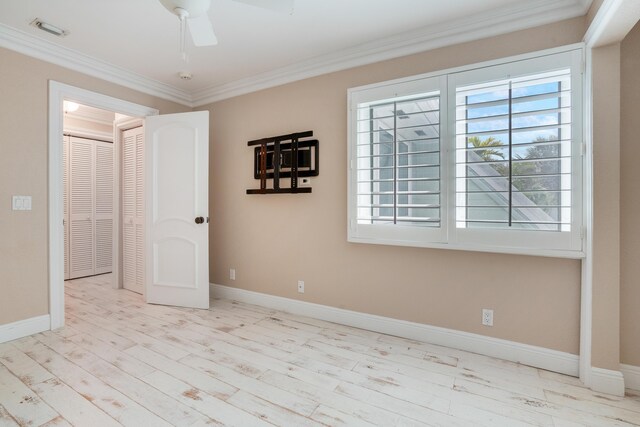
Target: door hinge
(583, 149)
(583, 232)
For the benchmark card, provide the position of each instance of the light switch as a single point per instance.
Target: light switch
(21, 203)
(17, 203)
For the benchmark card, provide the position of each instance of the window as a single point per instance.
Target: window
(487, 158)
(399, 161)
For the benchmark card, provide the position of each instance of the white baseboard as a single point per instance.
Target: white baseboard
(539, 357)
(607, 381)
(631, 376)
(23, 328)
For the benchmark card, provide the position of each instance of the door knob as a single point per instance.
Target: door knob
(199, 220)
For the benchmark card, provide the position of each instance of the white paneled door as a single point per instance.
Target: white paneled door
(177, 223)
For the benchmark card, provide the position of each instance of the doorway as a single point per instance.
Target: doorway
(89, 191)
(92, 198)
(58, 93)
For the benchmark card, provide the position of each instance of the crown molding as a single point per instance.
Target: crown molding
(36, 47)
(526, 15)
(522, 16)
(612, 22)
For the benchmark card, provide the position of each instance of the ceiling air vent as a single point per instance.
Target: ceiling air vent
(51, 29)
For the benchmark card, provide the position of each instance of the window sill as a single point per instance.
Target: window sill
(553, 253)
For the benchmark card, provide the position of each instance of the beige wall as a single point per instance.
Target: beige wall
(273, 241)
(606, 210)
(23, 171)
(630, 200)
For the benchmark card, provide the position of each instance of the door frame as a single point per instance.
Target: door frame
(59, 92)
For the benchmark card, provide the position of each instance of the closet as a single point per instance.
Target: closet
(133, 209)
(88, 206)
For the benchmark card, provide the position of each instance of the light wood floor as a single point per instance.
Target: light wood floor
(120, 361)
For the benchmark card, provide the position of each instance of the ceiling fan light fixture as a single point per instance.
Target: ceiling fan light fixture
(192, 14)
(49, 28)
(193, 8)
(182, 13)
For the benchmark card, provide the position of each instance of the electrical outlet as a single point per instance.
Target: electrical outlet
(232, 274)
(301, 286)
(487, 317)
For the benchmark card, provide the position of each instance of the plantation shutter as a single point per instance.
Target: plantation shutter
(487, 157)
(398, 162)
(514, 153)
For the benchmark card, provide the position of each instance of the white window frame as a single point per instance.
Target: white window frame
(398, 234)
(528, 242)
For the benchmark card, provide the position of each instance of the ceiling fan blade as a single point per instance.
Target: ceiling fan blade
(202, 31)
(275, 5)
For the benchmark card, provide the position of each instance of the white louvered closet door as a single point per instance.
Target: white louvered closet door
(133, 209)
(103, 214)
(89, 177)
(81, 233)
(65, 184)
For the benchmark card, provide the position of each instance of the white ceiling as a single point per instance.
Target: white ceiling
(135, 42)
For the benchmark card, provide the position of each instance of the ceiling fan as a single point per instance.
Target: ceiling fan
(193, 14)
